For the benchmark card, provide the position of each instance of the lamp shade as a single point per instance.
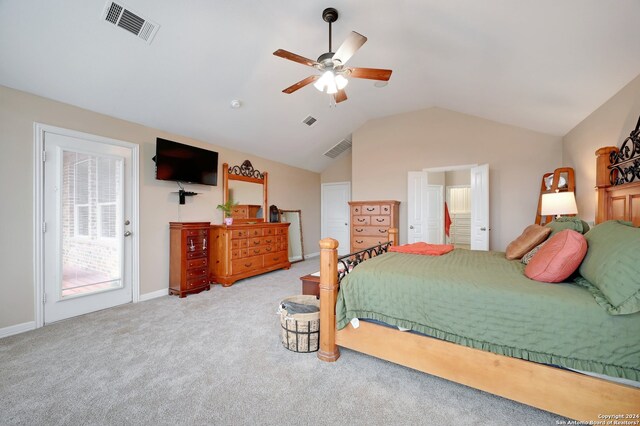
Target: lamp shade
(558, 203)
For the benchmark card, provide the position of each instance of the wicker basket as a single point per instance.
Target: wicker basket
(301, 332)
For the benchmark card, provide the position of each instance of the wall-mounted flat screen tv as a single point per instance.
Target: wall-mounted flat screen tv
(185, 163)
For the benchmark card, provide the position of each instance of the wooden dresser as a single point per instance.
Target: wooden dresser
(189, 257)
(370, 222)
(244, 250)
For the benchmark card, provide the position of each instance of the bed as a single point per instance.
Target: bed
(501, 360)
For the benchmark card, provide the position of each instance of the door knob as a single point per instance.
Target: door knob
(411, 227)
(346, 224)
(127, 222)
(127, 233)
(483, 229)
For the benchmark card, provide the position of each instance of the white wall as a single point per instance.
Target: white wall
(384, 150)
(289, 188)
(609, 125)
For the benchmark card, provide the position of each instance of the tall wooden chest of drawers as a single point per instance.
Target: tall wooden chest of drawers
(370, 222)
(244, 250)
(189, 257)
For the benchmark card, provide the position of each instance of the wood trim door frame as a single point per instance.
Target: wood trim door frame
(39, 131)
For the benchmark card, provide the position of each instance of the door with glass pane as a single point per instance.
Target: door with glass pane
(87, 255)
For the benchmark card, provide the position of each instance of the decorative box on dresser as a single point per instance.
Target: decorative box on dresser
(189, 257)
(370, 222)
(245, 211)
(244, 250)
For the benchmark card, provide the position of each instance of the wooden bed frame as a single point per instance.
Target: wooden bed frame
(559, 391)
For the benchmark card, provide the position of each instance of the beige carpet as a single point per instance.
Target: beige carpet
(215, 358)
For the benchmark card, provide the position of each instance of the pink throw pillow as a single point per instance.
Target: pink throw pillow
(558, 258)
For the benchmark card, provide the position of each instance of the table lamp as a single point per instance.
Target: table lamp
(558, 203)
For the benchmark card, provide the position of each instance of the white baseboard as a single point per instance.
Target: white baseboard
(17, 329)
(153, 295)
(316, 254)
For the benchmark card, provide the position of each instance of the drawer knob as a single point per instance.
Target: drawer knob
(359, 230)
(248, 265)
(382, 231)
(370, 209)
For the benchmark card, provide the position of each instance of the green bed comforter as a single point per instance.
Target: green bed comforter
(481, 300)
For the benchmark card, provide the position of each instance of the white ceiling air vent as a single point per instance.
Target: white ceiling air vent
(120, 15)
(309, 120)
(339, 148)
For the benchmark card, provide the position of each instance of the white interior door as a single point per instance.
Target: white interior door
(480, 207)
(335, 218)
(87, 216)
(416, 206)
(434, 214)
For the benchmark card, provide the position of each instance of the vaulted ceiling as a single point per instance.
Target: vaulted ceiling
(539, 64)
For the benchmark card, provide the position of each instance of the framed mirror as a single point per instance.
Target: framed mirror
(248, 187)
(296, 247)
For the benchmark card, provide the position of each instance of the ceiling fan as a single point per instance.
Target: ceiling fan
(334, 73)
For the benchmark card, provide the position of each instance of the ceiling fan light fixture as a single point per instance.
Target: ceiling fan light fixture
(341, 82)
(325, 81)
(332, 88)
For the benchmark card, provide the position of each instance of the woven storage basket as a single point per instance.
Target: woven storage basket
(301, 332)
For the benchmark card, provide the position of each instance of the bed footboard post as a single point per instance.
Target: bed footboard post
(393, 236)
(329, 351)
(603, 181)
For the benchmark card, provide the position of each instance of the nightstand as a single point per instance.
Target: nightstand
(311, 285)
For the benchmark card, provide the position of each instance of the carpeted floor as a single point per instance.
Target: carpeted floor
(216, 358)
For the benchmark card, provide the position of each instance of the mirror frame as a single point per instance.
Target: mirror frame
(246, 173)
(301, 236)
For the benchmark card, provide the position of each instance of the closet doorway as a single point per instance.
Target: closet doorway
(449, 205)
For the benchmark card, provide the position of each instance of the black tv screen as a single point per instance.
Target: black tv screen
(185, 163)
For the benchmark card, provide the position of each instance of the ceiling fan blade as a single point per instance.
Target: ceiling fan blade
(370, 73)
(301, 84)
(350, 46)
(295, 58)
(340, 96)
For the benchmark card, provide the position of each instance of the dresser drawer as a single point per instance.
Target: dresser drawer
(197, 282)
(370, 209)
(236, 254)
(372, 231)
(255, 232)
(356, 210)
(196, 254)
(268, 231)
(282, 231)
(366, 242)
(275, 258)
(361, 220)
(269, 249)
(236, 244)
(385, 209)
(269, 240)
(196, 232)
(239, 233)
(194, 263)
(247, 264)
(196, 272)
(254, 251)
(254, 242)
(381, 220)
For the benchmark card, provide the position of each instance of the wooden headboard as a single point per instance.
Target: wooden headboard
(618, 180)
